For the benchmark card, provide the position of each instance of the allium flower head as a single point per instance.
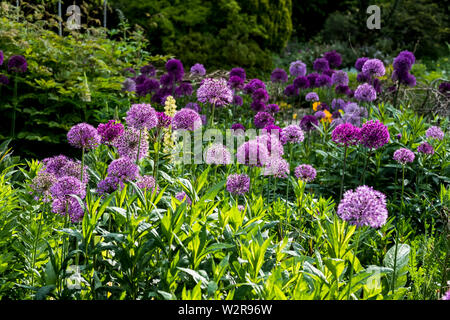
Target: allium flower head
(360, 63)
(271, 140)
(83, 135)
(238, 72)
(340, 78)
(4, 79)
(374, 134)
(263, 119)
(425, 148)
(292, 134)
(182, 196)
(334, 59)
(319, 115)
(186, 119)
(109, 185)
(238, 184)
(278, 75)
(129, 85)
(254, 85)
(68, 206)
(141, 116)
(175, 68)
(238, 101)
(305, 172)
(321, 64)
(109, 131)
(277, 167)
(252, 153)
(237, 126)
(42, 183)
(218, 154)
(148, 70)
(123, 168)
(198, 69)
(297, 68)
(323, 81)
(346, 134)
(55, 164)
(184, 89)
(236, 82)
(290, 90)
(66, 186)
(272, 129)
(73, 169)
(261, 95)
(363, 207)
(365, 92)
(301, 82)
(148, 183)
(146, 87)
(127, 144)
(446, 295)
(17, 64)
(258, 105)
(312, 77)
(312, 96)
(444, 88)
(435, 133)
(404, 61)
(337, 104)
(374, 68)
(403, 156)
(308, 123)
(164, 121)
(215, 91)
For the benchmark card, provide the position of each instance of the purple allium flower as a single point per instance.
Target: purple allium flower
(167, 80)
(109, 131)
(323, 81)
(272, 129)
(2, 57)
(194, 106)
(305, 172)
(340, 78)
(186, 119)
(254, 85)
(164, 121)
(215, 91)
(377, 85)
(148, 183)
(261, 95)
(308, 123)
(334, 59)
(426, 148)
(236, 83)
(123, 168)
(444, 88)
(360, 62)
(129, 85)
(446, 295)
(292, 134)
(258, 106)
(238, 184)
(338, 103)
(312, 77)
(198, 69)
(352, 118)
(365, 92)
(66, 186)
(353, 108)
(290, 90)
(218, 154)
(277, 167)
(374, 134)
(146, 86)
(83, 135)
(184, 89)
(141, 116)
(109, 185)
(341, 89)
(346, 134)
(175, 68)
(263, 119)
(301, 82)
(55, 164)
(312, 96)
(403, 156)
(374, 68)
(403, 62)
(399, 136)
(434, 133)
(238, 72)
(238, 101)
(68, 206)
(363, 207)
(321, 64)
(329, 72)
(271, 140)
(148, 70)
(17, 64)
(278, 75)
(4, 79)
(273, 108)
(237, 126)
(320, 115)
(363, 77)
(252, 153)
(297, 68)
(127, 144)
(42, 183)
(182, 196)
(73, 169)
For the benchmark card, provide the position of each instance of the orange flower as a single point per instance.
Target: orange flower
(328, 116)
(315, 105)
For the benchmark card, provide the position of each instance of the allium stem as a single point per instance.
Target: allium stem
(395, 261)
(288, 184)
(82, 164)
(212, 114)
(343, 173)
(139, 146)
(353, 263)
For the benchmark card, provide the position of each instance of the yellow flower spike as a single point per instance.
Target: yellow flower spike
(315, 105)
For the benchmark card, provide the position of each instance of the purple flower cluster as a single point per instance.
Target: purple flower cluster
(238, 72)
(218, 154)
(277, 167)
(147, 183)
(263, 119)
(148, 70)
(198, 69)
(365, 92)
(123, 168)
(254, 85)
(252, 153)
(301, 82)
(128, 144)
(425, 148)
(374, 134)
(68, 206)
(373, 68)
(175, 69)
(17, 64)
(186, 119)
(360, 63)
(334, 59)
(215, 91)
(83, 135)
(444, 88)
(271, 140)
(42, 183)
(309, 123)
(238, 128)
(238, 101)
(272, 108)
(321, 65)
(238, 184)
(305, 172)
(278, 75)
(236, 83)
(164, 121)
(312, 96)
(182, 196)
(109, 131)
(402, 65)
(290, 90)
(109, 185)
(340, 78)
(403, 156)
(141, 116)
(434, 133)
(292, 134)
(346, 134)
(297, 68)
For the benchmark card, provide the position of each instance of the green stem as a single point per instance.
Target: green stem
(343, 173)
(35, 245)
(363, 177)
(353, 263)
(212, 114)
(288, 184)
(139, 147)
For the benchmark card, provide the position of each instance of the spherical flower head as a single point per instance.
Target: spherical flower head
(292, 134)
(312, 77)
(167, 80)
(236, 83)
(254, 85)
(215, 91)
(263, 119)
(297, 68)
(374, 67)
(272, 108)
(446, 295)
(238, 72)
(186, 119)
(444, 88)
(148, 70)
(363, 207)
(425, 148)
(238, 101)
(109, 131)
(278, 76)
(308, 123)
(129, 85)
(237, 126)
(142, 116)
(83, 135)
(146, 87)
(353, 108)
(271, 140)
(312, 96)
(182, 196)
(323, 81)
(319, 115)
(321, 64)
(175, 68)
(273, 129)
(301, 82)
(305, 172)
(352, 118)
(252, 153)
(434, 133)
(403, 156)
(290, 91)
(261, 95)
(198, 69)
(337, 104)
(123, 168)
(55, 164)
(365, 92)
(109, 185)
(147, 183)
(258, 105)
(404, 61)
(66, 186)
(360, 63)
(184, 89)
(374, 134)
(340, 78)
(218, 154)
(334, 59)
(346, 134)
(238, 184)
(68, 206)
(73, 169)
(277, 167)
(127, 144)
(17, 64)
(164, 121)
(41, 185)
